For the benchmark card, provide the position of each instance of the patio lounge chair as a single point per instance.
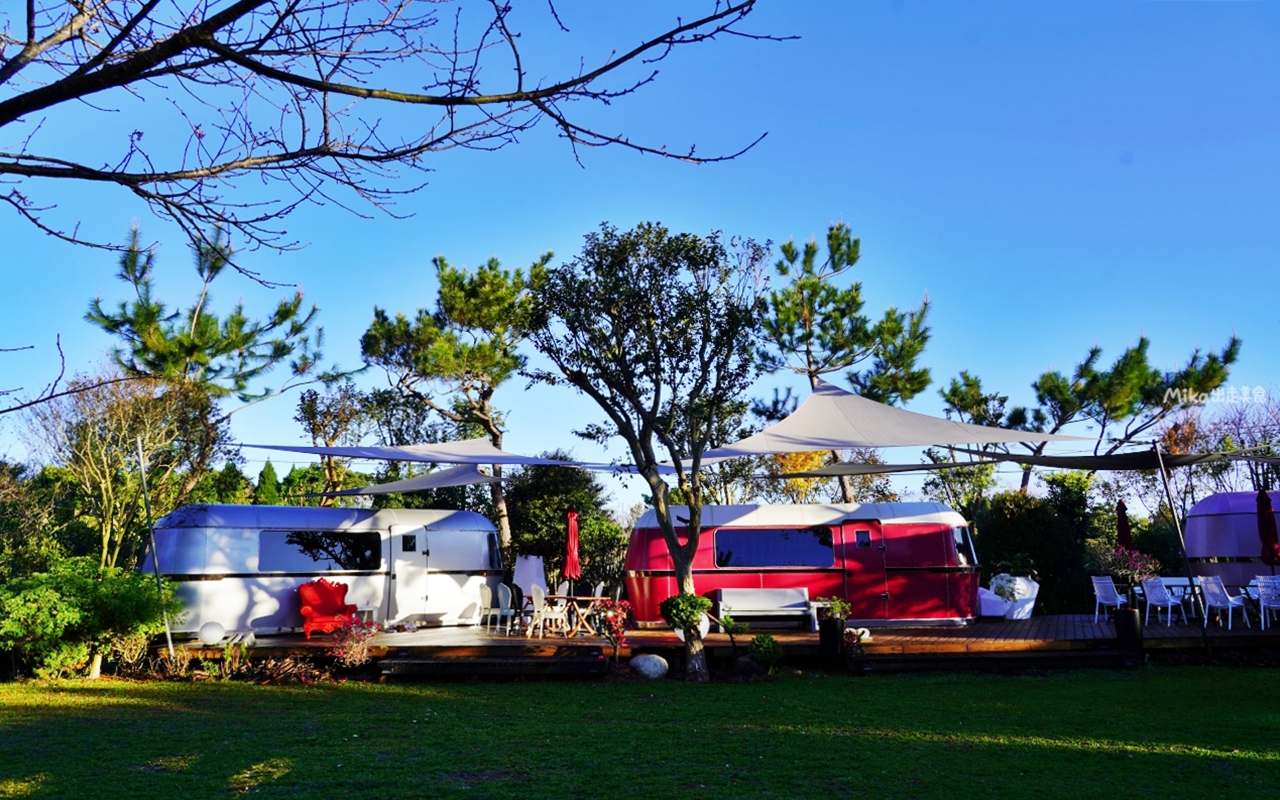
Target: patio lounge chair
(1215, 596)
(1268, 597)
(1159, 597)
(1104, 592)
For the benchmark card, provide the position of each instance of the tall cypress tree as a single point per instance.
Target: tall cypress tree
(267, 492)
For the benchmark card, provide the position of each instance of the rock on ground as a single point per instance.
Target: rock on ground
(651, 666)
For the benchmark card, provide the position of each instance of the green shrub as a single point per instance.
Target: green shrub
(683, 612)
(766, 651)
(57, 620)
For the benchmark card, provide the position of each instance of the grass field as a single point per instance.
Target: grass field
(1164, 732)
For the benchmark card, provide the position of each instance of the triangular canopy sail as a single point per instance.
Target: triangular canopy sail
(466, 451)
(464, 475)
(833, 419)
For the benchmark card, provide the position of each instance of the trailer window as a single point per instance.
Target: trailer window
(964, 547)
(774, 548)
(319, 551)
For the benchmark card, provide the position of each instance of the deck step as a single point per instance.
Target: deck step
(956, 662)
(495, 665)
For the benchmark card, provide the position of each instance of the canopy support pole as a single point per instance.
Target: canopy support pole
(1182, 542)
(155, 554)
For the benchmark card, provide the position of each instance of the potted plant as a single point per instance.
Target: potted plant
(831, 621)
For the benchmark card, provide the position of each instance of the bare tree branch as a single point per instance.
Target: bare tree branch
(293, 92)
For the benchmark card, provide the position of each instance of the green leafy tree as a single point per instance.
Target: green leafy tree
(661, 331)
(815, 328)
(336, 417)
(452, 360)
(538, 501)
(36, 511)
(228, 485)
(96, 437)
(267, 490)
(302, 485)
(64, 620)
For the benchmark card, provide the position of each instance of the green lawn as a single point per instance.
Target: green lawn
(1163, 732)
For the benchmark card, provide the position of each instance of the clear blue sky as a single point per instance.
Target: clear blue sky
(1054, 176)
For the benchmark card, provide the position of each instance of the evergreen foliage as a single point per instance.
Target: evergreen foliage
(267, 490)
(815, 327)
(452, 360)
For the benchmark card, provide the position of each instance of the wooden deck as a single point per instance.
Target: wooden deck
(1047, 641)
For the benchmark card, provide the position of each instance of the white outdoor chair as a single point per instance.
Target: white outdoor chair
(1215, 596)
(1104, 592)
(504, 610)
(599, 592)
(545, 614)
(1268, 596)
(487, 611)
(1159, 597)
(563, 588)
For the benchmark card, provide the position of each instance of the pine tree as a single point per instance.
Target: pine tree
(267, 492)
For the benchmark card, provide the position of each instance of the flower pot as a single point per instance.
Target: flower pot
(830, 640)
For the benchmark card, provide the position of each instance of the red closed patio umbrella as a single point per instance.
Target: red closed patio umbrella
(1267, 531)
(572, 567)
(1124, 534)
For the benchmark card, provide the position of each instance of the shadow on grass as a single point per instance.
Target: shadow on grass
(1169, 732)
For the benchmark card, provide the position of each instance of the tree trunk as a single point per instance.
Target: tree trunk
(695, 653)
(95, 666)
(500, 510)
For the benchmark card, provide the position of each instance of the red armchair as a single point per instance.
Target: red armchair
(324, 606)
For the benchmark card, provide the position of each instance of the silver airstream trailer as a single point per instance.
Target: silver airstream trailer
(1222, 537)
(241, 566)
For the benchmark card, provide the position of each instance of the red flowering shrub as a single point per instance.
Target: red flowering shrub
(612, 618)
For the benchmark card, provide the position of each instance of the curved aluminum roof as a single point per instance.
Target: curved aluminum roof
(309, 518)
(1231, 503)
(760, 516)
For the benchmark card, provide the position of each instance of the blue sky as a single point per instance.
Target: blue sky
(1054, 176)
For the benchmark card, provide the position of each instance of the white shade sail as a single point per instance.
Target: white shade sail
(833, 419)
(463, 475)
(466, 451)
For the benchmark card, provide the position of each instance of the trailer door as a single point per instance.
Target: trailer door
(866, 587)
(408, 572)
(457, 562)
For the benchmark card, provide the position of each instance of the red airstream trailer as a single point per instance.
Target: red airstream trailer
(893, 562)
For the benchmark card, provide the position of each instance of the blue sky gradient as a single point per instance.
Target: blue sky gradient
(1054, 176)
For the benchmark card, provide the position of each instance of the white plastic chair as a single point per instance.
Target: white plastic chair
(545, 613)
(1159, 597)
(504, 609)
(1104, 592)
(599, 592)
(486, 606)
(1268, 596)
(1215, 596)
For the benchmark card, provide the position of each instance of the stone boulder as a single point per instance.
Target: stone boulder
(745, 669)
(651, 666)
